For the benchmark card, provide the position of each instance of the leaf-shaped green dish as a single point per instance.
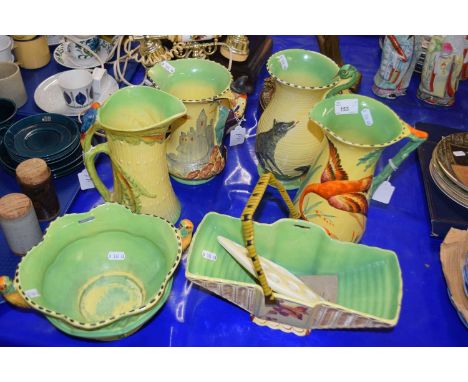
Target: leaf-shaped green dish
(369, 284)
(103, 272)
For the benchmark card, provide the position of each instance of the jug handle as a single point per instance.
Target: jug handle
(416, 137)
(222, 114)
(90, 153)
(348, 77)
(10, 294)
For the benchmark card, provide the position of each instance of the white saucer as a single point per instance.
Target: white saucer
(48, 96)
(63, 58)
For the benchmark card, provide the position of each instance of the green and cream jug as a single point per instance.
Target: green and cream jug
(195, 153)
(335, 192)
(136, 121)
(286, 143)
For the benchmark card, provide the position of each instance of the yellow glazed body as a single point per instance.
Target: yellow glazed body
(136, 120)
(286, 142)
(299, 146)
(315, 205)
(335, 192)
(194, 149)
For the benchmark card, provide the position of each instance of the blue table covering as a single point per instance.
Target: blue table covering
(193, 316)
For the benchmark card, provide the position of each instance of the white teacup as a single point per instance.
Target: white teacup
(6, 45)
(80, 87)
(78, 52)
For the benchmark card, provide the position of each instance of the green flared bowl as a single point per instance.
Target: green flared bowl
(103, 273)
(303, 69)
(191, 79)
(372, 124)
(369, 278)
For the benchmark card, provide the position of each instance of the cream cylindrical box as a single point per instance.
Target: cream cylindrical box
(19, 223)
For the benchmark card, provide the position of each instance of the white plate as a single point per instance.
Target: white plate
(48, 96)
(63, 58)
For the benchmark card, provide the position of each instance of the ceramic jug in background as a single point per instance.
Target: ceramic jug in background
(336, 190)
(136, 120)
(286, 143)
(195, 153)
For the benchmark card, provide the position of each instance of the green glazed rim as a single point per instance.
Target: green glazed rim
(112, 331)
(168, 105)
(198, 68)
(323, 62)
(54, 231)
(389, 120)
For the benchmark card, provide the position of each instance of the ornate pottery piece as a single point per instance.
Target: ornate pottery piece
(397, 66)
(136, 120)
(195, 153)
(335, 192)
(286, 142)
(360, 285)
(441, 70)
(117, 266)
(452, 157)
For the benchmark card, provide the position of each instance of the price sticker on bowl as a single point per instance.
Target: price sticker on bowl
(116, 255)
(283, 61)
(367, 117)
(346, 106)
(31, 293)
(168, 67)
(209, 255)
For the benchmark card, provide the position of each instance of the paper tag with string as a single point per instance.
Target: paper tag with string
(384, 192)
(237, 133)
(85, 180)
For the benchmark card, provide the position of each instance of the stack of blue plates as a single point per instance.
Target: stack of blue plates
(52, 137)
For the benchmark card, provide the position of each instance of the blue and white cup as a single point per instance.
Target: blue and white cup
(77, 88)
(79, 52)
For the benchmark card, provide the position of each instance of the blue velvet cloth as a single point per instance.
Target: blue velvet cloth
(192, 316)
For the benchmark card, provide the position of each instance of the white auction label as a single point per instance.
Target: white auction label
(283, 61)
(31, 293)
(347, 106)
(367, 116)
(168, 67)
(384, 192)
(116, 255)
(209, 255)
(85, 181)
(237, 136)
(459, 153)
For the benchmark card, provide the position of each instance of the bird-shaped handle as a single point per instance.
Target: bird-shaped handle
(9, 292)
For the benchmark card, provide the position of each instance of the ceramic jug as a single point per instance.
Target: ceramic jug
(336, 190)
(195, 153)
(136, 120)
(286, 143)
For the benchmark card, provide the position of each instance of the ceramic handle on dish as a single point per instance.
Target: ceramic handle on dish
(9, 292)
(248, 228)
(348, 76)
(90, 153)
(416, 137)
